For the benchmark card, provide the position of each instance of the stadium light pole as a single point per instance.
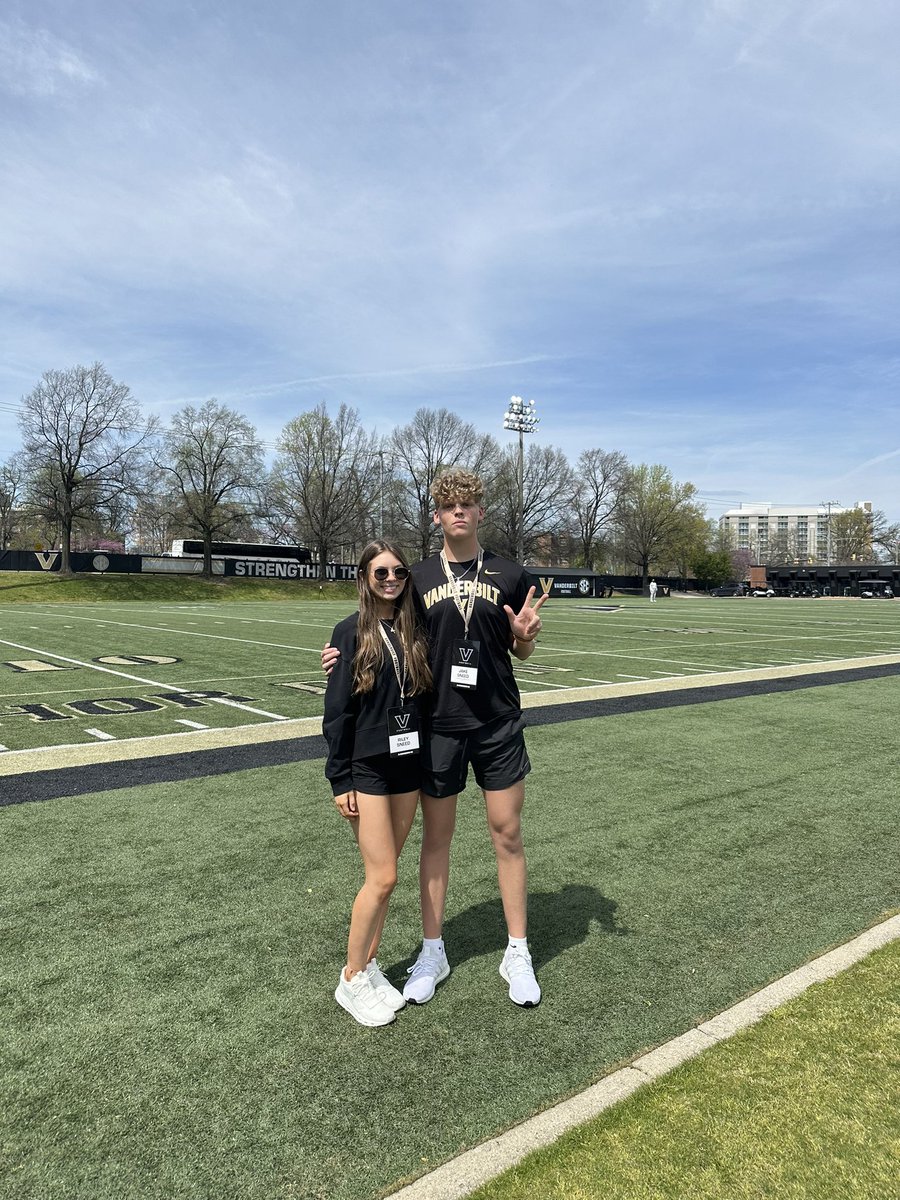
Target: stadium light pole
(380, 455)
(829, 504)
(521, 418)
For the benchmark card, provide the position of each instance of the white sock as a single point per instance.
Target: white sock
(433, 944)
(520, 943)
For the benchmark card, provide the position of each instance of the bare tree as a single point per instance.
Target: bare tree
(213, 460)
(856, 531)
(435, 438)
(886, 537)
(547, 494)
(12, 498)
(325, 479)
(84, 438)
(652, 515)
(599, 480)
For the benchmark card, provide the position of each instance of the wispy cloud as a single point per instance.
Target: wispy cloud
(34, 62)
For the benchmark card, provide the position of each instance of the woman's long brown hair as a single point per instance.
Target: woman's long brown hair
(369, 646)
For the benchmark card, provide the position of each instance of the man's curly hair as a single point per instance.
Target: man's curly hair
(455, 485)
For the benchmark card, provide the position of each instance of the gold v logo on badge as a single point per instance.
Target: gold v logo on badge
(403, 721)
(465, 654)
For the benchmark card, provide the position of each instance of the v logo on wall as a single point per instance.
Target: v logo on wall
(46, 559)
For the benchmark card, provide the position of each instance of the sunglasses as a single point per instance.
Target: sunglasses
(399, 573)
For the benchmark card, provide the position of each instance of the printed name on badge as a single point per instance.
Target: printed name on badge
(464, 664)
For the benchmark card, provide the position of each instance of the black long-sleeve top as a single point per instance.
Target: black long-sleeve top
(357, 726)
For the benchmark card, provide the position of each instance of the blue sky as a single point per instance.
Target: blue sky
(673, 223)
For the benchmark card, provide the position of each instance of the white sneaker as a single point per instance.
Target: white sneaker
(429, 969)
(384, 989)
(518, 972)
(361, 1000)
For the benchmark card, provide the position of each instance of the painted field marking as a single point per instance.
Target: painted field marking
(139, 679)
(259, 712)
(581, 679)
(192, 724)
(539, 667)
(543, 683)
(620, 675)
(220, 637)
(329, 625)
(185, 683)
(98, 733)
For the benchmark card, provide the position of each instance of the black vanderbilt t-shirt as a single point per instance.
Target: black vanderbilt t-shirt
(496, 695)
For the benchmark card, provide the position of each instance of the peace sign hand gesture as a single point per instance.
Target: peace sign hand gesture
(526, 624)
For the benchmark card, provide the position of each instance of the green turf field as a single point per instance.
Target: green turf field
(170, 949)
(139, 669)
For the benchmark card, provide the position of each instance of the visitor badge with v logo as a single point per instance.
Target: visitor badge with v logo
(403, 730)
(464, 664)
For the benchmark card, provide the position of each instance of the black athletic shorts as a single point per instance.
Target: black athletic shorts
(382, 775)
(496, 752)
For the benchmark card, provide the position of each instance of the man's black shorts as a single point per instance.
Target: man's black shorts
(496, 752)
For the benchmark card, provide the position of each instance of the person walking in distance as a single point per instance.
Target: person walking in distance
(372, 724)
(478, 610)
(653, 591)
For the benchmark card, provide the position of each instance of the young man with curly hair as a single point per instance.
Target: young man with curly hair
(478, 611)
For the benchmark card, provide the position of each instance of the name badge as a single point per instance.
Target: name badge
(403, 730)
(464, 664)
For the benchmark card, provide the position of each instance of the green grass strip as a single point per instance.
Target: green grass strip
(30, 587)
(803, 1104)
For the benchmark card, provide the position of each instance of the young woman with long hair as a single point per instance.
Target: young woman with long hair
(373, 708)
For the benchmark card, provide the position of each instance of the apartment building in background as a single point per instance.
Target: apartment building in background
(785, 532)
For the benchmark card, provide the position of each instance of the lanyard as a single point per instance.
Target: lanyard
(401, 677)
(464, 610)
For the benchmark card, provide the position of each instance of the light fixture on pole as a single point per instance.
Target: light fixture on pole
(521, 418)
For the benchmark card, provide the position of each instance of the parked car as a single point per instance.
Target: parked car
(763, 591)
(729, 589)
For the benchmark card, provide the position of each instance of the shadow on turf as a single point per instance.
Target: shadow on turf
(556, 921)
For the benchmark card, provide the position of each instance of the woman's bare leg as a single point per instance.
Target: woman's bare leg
(374, 832)
(403, 812)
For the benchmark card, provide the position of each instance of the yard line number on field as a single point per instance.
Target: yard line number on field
(139, 679)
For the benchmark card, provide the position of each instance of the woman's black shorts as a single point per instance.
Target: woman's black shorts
(382, 775)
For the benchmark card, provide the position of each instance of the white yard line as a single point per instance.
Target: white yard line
(98, 733)
(221, 637)
(247, 620)
(541, 683)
